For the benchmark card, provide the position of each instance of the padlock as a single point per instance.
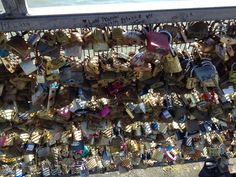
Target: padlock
(173, 30)
(39, 96)
(171, 155)
(28, 67)
(57, 63)
(20, 82)
(18, 172)
(52, 95)
(11, 67)
(129, 113)
(143, 73)
(132, 37)
(92, 65)
(100, 42)
(216, 111)
(147, 128)
(33, 39)
(221, 51)
(40, 77)
(120, 65)
(18, 45)
(30, 147)
(91, 163)
(191, 81)
(197, 30)
(172, 64)
(88, 38)
(61, 37)
(138, 59)
(116, 35)
(36, 137)
(227, 40)
(127, 163)
(158, 42)
(74, 50)
(47, 46)
(69, 77)
(158, 154)
(28, 158)
(45, 170)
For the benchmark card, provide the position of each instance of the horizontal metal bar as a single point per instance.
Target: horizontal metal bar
(114, 18)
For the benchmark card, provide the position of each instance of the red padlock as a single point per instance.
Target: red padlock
(115, 88)
(158, 42)
(209, 97)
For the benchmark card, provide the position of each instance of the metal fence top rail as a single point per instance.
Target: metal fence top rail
(127, 7)
(18, 17)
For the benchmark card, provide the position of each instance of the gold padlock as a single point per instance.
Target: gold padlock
(133, 146)
(191, 82)
(9, 66)
(62, 37)
(172, 64)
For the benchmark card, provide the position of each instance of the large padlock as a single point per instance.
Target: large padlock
(172, 64)
(61, 37)
(158, 42)
(18, 45)
(70, 77)
(221, 51)
(198, 30)
(100, 42)
(47, 46)
(117, 35)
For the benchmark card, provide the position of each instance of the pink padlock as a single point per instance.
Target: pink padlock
(105, 111)
(170, 156)
(64, 112)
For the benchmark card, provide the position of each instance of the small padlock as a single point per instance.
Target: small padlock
(33, 39)
(40, 77)
(147, 128)
(51, 95)
(11, 67)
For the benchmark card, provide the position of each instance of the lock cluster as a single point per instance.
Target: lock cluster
(82, 101)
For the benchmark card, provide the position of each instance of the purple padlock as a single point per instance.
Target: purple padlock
(105, 111)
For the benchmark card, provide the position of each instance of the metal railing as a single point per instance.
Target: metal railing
(17, 17)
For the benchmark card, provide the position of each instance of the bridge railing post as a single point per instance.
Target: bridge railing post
(15, 8)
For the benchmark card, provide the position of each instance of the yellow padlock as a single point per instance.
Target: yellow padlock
(172, 64)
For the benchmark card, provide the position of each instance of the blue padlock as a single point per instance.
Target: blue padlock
(4, 52)
(154, 126)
